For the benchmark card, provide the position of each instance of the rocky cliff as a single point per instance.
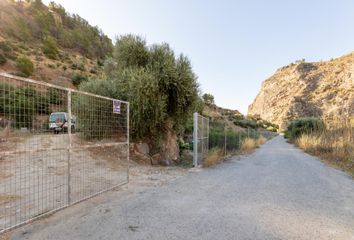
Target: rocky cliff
(320, 89)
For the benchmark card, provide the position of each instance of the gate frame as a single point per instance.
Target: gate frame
(196, 139)
(69, 147)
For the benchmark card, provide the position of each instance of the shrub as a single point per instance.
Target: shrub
(300, 126)
(272, 129)
(3, 59)
(74, 66)
(50, 48)
(5, 47)
(77, 79)
(51, 66)
(6, 51)
(25, 66)
(246, 123)
(55, 96)
(81, 67)
(208, 99)
(21, 104)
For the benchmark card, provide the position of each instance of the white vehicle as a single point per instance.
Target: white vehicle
(58, 122)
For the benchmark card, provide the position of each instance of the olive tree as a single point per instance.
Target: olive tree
(162, 89)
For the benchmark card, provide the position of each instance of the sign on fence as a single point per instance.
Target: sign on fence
(116, 106)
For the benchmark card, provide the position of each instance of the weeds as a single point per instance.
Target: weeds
(248, 144)
(215, 156)
(335, 144)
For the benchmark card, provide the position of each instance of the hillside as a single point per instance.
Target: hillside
(236, 121)
(321, 89)
(61, 46)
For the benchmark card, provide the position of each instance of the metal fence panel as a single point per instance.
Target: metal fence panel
(200, 138)
(58, 146)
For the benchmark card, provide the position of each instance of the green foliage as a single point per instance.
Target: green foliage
(233, 139)
(272, 129)
(78, 78)
(94, 122)
(148, 105)
(300, 126)
(208, 99)
(21, 104)
(81, 67)
(35, 22)
(22, 31)
(50, 48)
(160, 87)
(55, 96)
(3, 59)
(183, 145)
(25, 66)
(246, 123)
(6, 52)
(131, 51)
(5, 47)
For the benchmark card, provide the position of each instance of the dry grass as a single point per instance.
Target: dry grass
(248, 144)
(260, 140)
(215, 156)
(5, 236)
(335, 144)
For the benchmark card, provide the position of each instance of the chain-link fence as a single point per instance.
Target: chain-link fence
(58, 146)
(229, 139)
(200, 138)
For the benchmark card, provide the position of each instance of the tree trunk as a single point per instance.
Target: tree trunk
(169, 146)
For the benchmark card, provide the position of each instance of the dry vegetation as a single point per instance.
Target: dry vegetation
(249, 144)
(335, 144)
(217, 155)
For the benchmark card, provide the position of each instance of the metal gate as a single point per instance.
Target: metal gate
(200, 138)
(58, 146)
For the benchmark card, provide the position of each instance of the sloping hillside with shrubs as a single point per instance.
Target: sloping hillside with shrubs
(49, 44)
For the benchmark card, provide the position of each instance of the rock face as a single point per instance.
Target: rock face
(320, 89)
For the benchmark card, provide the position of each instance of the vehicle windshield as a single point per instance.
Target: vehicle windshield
(57, 117)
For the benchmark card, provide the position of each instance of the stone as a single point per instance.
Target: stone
(142, 148)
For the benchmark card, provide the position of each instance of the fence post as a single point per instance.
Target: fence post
(208, 136)
(128, 141)
(239, 141)
(225, 141)
(195, 139)
(69, 146)
(202, 138)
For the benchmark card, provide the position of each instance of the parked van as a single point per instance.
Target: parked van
(58, 122)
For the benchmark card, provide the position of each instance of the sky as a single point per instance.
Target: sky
(233, 45)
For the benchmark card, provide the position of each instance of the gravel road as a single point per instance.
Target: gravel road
(278, 192)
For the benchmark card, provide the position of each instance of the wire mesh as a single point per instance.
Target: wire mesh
(58, 147)
(200, 138)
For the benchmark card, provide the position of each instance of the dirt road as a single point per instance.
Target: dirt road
(278, 192)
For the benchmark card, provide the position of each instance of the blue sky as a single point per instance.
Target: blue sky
(233, 45)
